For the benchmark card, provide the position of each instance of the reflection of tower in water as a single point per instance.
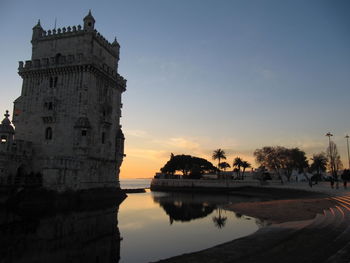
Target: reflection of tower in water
(85, 236)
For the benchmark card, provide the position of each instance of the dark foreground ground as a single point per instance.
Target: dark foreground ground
(317, 231)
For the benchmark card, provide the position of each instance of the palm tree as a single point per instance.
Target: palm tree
(238, 164)
(218, 155)
(219, 221)
(245, 165)
(224, 165)
(235, 170)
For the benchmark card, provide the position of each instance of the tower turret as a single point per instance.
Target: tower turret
(89, 22)
(37, 31)
(116, 48)
(6, 133)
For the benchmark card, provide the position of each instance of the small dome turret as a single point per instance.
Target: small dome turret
(115, 43)
(7, 133)
(5, 126)
(89, 22)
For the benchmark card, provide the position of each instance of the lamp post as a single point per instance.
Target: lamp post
(329, 135)
(347, 143)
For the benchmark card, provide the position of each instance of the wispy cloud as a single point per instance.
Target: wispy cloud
(146, 153)
(136, 133)
(181, 142)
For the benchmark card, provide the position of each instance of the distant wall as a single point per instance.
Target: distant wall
(206, 185)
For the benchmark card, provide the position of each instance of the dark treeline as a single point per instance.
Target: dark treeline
(279, 160)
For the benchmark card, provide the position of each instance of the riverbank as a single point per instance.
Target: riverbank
(303, 241)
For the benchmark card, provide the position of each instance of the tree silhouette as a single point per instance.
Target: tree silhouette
(334, 162)
(224, 165)
(219, 221)
(282, 160)
(319, 163)
(190, 166)
(238, 164)
(245, 165)
(218, 155)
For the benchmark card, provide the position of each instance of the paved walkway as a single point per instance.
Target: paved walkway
(326, 238)
(321, 187)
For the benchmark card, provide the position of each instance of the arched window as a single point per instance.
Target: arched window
(48, 133)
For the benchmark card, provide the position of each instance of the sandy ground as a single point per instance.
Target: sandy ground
(278, 211)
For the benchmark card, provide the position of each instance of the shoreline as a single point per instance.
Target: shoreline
(281, 211)
(282, 205)
(286, 208)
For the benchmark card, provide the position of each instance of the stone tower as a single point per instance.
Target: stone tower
(70, 108)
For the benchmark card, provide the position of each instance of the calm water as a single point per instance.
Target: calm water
(160, 225)
(135, 183)
(145, 227)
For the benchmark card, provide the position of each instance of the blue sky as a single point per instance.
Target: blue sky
(203, 74)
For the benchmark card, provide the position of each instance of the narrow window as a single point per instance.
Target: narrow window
(48, 133)
(103, 137)
(55, 83)
(51, 82)
(57, 58)
(83, 132)
(50, 107)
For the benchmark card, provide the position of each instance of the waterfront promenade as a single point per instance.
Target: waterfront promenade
(324, 238)
(228, 185)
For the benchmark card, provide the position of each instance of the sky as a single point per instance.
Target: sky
(208, 74)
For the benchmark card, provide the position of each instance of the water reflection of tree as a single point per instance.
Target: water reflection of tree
(219, 221)
(184, 212)
(184, 207)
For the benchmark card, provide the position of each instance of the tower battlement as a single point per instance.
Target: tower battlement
(73, 31)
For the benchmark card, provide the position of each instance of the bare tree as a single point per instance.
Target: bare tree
(334, 162)
(281, 160)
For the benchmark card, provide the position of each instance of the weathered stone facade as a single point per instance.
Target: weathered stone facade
(69, 111)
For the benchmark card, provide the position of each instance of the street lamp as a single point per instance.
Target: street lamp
(347, 143)
(329, 135)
